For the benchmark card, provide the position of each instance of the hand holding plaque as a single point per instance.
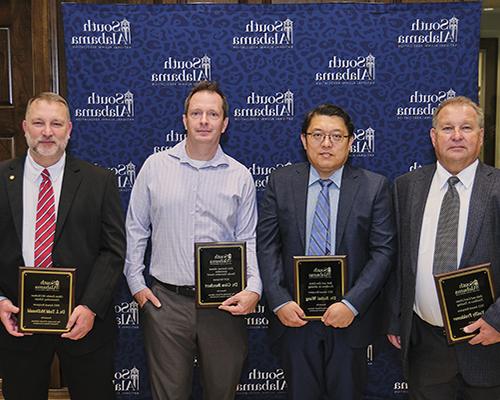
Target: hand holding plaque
(464, 296)
(319, 282)
(220, 271)
(46, 299)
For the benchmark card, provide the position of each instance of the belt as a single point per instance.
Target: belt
(438, 329)
(188, 291)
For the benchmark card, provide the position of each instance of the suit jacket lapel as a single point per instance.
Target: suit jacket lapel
(481, 191)
(299, 185)
(14, 184)
(348, 190)
(419, 192)
(71, 181)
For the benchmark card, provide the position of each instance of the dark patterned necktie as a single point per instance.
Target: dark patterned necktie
(445, 252)
(319, 242)
(45, 226)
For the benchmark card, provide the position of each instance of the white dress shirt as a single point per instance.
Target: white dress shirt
(426, 299)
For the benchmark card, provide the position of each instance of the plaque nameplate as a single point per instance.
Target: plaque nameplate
(46, 299)
(319, 282)
(220, 271)
(464, 296)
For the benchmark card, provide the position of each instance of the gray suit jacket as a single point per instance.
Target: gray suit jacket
(479, 365)
(365, 233)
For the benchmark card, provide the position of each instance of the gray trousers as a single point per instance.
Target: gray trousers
(177, 332)
(434, 372)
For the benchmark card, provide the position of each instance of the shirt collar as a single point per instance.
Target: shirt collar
(33, 170)
(335, 177)
(466, 176)
(179, 152)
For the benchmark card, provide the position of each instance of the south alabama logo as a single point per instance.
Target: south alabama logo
(276, 34)
(422, 105)
(443, 32)
(114, 34)
(183, 71)
(275, 106)
(355, 70)
(116, 106)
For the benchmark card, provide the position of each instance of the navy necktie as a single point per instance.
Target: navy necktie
(319, 242)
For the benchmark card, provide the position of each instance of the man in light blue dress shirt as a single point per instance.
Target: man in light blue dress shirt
(192, 193)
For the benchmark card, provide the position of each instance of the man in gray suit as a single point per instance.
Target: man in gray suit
(436, 370)
(326, 359)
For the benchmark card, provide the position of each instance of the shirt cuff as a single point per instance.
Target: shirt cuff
(350, 307)
(275, 309)
(254, 285)
(136, 284)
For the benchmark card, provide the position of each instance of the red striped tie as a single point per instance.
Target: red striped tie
(45, 226)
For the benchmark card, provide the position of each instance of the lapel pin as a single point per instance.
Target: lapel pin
(12, 177)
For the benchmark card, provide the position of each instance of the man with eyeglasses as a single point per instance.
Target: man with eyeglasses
(326, 207)
(191, 193)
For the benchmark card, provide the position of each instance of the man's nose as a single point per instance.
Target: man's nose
(457, 133)
(327, 141)
(47, 130)
(204, 117)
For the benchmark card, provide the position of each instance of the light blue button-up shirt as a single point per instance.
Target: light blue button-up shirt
(314, 188)
(178, 201)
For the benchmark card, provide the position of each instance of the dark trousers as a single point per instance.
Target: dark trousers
(320, 365)
(26, 373)
(434, 371)
(177, 332)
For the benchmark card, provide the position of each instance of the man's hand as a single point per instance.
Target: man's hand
(241, 303)
(395, 340)
(291, 315)
(145, 295)
(338, 315)
(8, 317)
(80, 322)
(487, 334)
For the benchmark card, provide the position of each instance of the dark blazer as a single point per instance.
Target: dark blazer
(479, 365)
(365, 233)
(90, 236)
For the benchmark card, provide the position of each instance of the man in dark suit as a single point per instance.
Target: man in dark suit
(83, 204)
(434, 369)
(326, 359)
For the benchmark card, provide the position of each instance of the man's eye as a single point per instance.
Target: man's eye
(317, 136)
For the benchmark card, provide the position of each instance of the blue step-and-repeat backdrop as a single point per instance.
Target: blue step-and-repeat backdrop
(389, 65)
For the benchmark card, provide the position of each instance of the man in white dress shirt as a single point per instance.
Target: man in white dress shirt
(447, 211)
(193, 192)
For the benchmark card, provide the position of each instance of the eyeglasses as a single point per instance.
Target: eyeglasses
(318, 137)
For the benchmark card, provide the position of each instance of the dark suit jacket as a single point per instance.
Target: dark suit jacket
(365, 233)
(479, 365)
(90, 236)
